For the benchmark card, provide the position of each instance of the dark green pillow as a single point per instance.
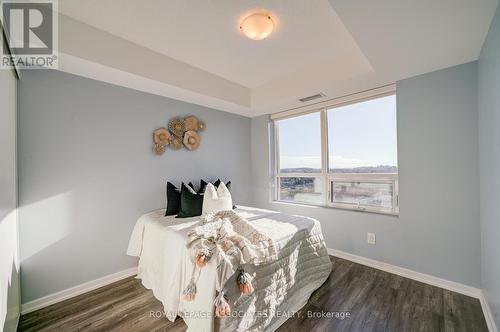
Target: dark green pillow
(228, 184)
(191, 203)
(203, 186)
(174, 199)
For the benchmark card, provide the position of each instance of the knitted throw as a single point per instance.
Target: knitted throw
(234, 243)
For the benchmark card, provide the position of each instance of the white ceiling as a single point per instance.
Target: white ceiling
(205, 34)
(335, 47)
(417, 36)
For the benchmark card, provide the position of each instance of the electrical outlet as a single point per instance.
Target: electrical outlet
(370, 238)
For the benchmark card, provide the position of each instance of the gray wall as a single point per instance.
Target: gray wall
(87, 172)
(9, 253)
(437, 231)
(489, 143)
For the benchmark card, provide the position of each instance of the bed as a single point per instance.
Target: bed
(282, 287)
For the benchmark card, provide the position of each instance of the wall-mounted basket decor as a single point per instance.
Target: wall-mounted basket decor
(181, 132)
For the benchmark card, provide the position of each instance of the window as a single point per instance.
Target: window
(300, 144)
(342, 155)
(299, 161)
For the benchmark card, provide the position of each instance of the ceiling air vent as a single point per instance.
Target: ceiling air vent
(309, 98)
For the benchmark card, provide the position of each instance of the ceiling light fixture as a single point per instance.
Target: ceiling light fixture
(257, 26)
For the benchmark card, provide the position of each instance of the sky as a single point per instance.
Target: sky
(362, 134)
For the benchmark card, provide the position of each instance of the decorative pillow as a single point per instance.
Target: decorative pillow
(216, 200)
(174, 199)
(228, 184)
(191, 203)
(203, 186)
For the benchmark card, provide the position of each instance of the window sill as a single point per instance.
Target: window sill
(362, 210)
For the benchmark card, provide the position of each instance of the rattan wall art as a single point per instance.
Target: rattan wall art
(180, 132)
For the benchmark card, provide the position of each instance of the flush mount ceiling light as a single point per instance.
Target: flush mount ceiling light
(257, 26)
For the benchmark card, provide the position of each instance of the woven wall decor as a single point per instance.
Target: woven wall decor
(191, 140)
(179, 133)
(177, 126)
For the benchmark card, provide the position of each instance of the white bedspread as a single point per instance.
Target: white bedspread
(281, 287)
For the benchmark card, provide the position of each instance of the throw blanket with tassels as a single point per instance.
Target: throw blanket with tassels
(234, 243)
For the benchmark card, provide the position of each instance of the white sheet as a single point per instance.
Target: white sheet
(283, 287)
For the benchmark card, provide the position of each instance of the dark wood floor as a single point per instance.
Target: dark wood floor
(375, 301)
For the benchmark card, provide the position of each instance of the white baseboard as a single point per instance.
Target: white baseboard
(425, 278)
(401, 271)
(17, 322)
(488, 315)
(410, 274)
(75, 291)
(11, 322)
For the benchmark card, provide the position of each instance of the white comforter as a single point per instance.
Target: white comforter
(281, 287)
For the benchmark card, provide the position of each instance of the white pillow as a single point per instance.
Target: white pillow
(217, 200)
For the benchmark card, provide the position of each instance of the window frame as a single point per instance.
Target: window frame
(298, 175)
(384, 178)
(279, 175)
(329, 178)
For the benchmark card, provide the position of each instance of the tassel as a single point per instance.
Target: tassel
(189, 292)
(244, 281)
(222, 308)
(203, 257)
